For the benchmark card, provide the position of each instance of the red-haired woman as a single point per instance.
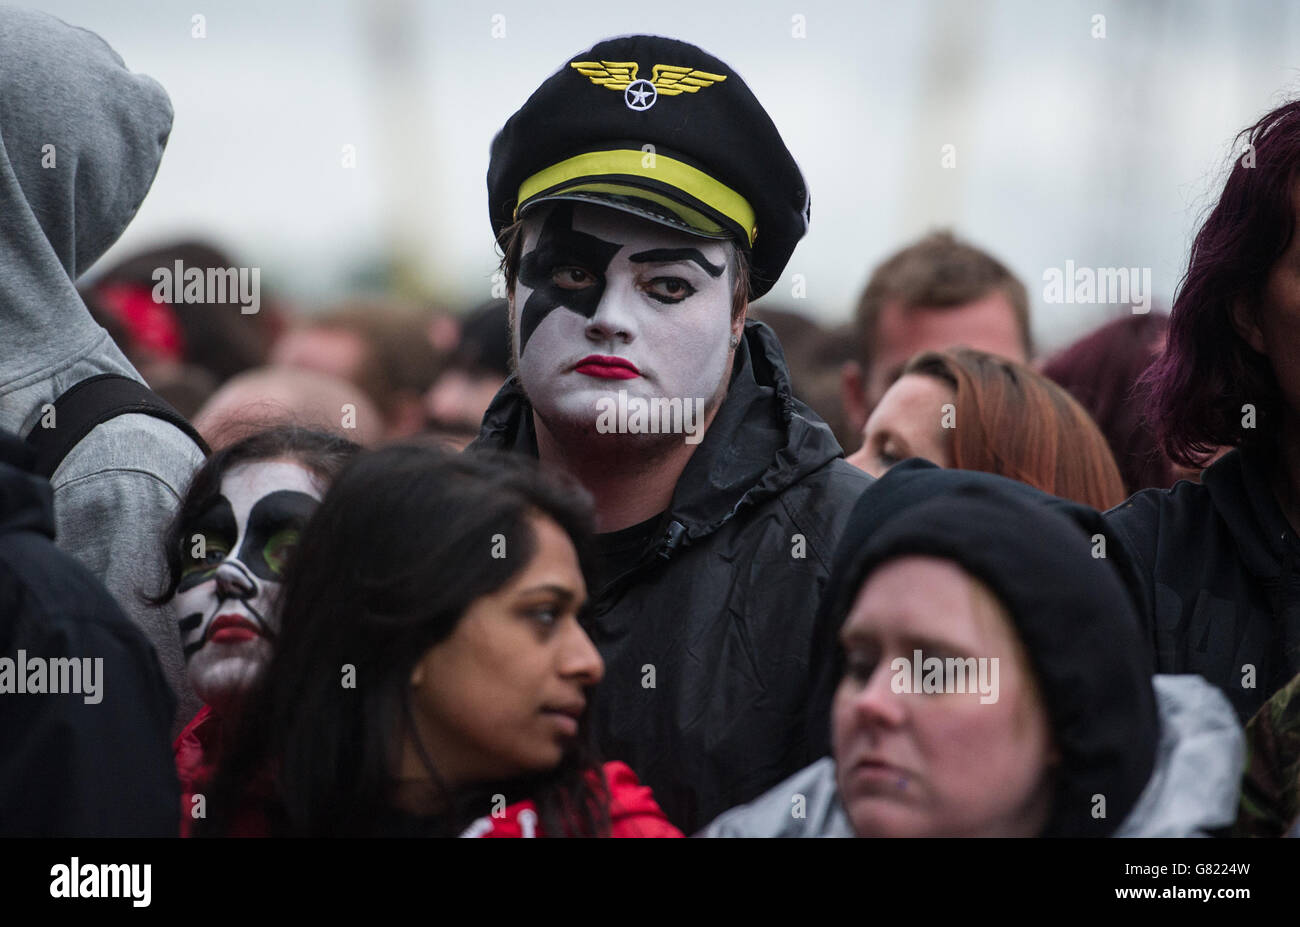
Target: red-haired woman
(969, 410)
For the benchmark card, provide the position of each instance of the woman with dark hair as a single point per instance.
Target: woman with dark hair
(991, 681)
(226, 552)
(969, 410)
(1221, 592)
(431, 677)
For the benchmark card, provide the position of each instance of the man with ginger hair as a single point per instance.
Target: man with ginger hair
(937, 293)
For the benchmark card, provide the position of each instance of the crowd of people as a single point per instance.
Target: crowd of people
(621, 554)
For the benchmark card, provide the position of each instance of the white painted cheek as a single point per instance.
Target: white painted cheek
(218, 680)
(201, 599)
(692, 350)
(559, 341)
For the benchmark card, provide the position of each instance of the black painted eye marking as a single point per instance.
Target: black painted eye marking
(560, 246)
(275, 512)
(666, 255)
(215, 521)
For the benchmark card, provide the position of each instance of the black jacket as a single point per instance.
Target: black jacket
(69, 767)
(1221, 591)
(721, 605)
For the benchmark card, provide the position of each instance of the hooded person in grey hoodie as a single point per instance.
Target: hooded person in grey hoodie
(81, 138)
(992, 681)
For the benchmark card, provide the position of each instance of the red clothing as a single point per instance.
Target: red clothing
(633, 812)
(195, 750)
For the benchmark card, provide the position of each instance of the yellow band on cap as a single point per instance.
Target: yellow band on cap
(594, 164)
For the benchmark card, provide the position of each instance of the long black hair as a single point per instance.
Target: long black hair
(321, 453)
(392, 559)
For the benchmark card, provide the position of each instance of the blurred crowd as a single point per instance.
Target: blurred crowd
(430, 372)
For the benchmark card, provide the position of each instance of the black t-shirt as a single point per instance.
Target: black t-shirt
(618, 551)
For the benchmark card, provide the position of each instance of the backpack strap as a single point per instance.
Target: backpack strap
(92, 402)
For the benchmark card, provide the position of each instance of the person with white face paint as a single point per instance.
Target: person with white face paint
(229, 583)
(638, 216)
(655, 324)
(227, 553)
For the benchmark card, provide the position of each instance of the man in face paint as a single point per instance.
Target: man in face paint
(641, 197)
(236, 550)
(606, 302)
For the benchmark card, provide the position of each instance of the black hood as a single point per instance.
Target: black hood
(762, 440)
(1071, 608)
(1240, 485)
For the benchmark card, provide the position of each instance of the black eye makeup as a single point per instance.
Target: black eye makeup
(669, 290)
(560, 248)
(205, 542)
(203, 551)
(273, 529)
(280, 548)
(573, 277)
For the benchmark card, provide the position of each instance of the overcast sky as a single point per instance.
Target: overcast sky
(1101, 151)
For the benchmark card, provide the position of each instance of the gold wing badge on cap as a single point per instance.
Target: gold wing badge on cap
(665, 79)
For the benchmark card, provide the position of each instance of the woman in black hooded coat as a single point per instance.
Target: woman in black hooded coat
(1061, 731)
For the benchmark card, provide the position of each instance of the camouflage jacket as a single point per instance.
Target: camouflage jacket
(1270, 789)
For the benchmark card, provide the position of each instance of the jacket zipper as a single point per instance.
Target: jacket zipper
(668, 544)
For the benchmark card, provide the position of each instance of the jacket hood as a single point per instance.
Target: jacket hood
(1199, 761)
(81, 138)
(761, 441)
(1071, 610)
(1192, 789)
(1239, 485)
(26, 500)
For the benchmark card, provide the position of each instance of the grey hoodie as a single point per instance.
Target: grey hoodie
(80, 142)
(1192, 790)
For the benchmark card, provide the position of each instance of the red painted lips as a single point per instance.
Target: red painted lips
(232, 629)
(607, 368)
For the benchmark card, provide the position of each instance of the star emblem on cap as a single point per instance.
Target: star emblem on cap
(640, 94)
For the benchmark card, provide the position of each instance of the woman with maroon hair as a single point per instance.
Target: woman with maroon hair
(1101, 370)
(1221, 592)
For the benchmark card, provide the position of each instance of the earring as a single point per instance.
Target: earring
(735, 340)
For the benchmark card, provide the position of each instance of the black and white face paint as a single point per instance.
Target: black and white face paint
(606, 302)
(236, 550)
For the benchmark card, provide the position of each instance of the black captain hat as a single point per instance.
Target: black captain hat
(663, 130)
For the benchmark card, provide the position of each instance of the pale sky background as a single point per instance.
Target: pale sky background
(1103, 151)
